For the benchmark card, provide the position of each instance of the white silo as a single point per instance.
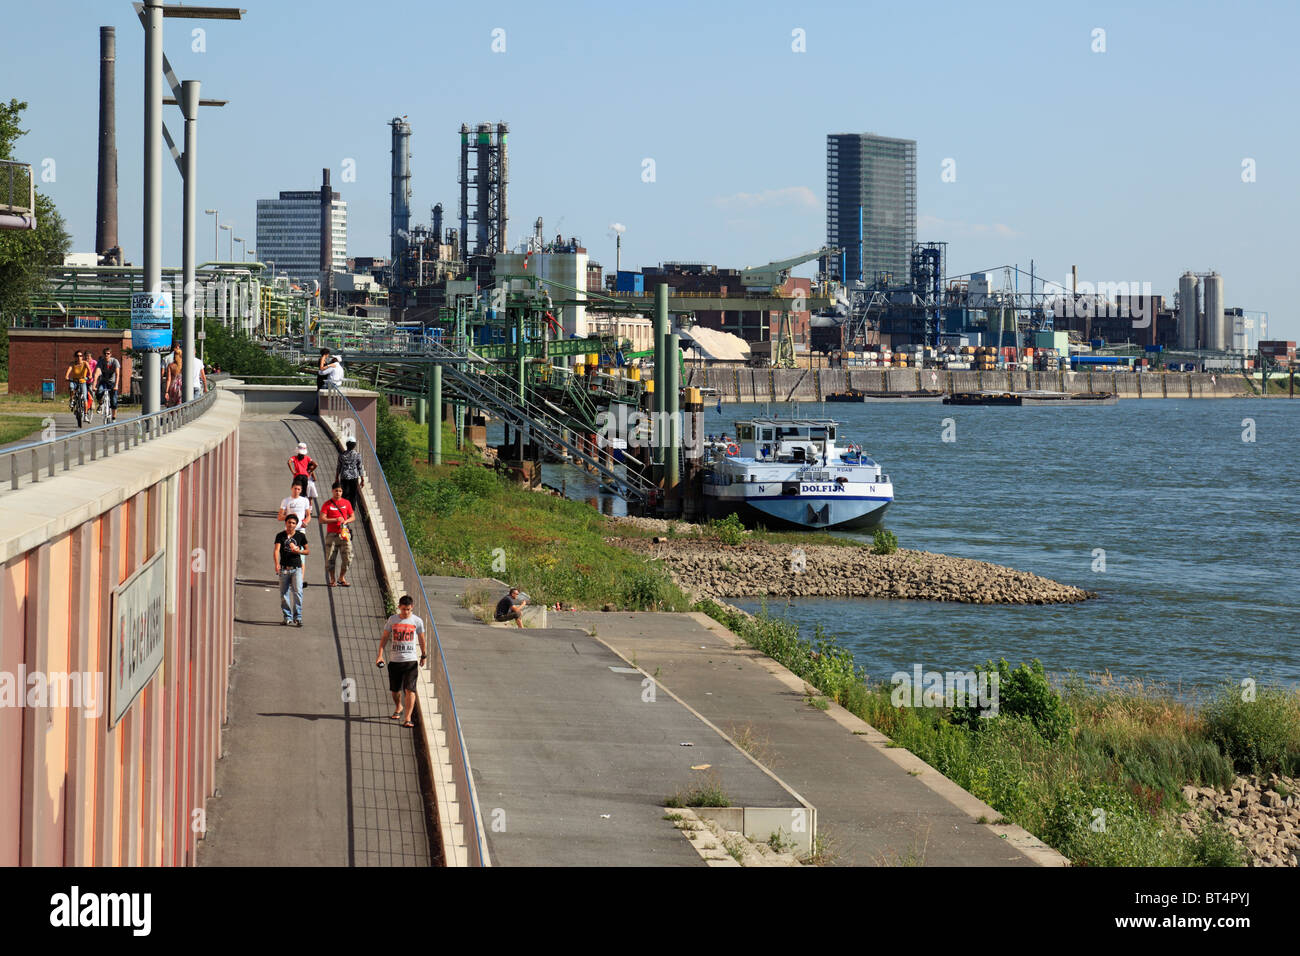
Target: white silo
(1216, 330)
(1187, 311)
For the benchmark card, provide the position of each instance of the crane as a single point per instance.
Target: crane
(774, 274)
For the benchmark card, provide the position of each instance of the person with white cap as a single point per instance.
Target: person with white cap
(303, 469)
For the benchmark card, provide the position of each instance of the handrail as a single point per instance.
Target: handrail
(131, 432)
(335, 402)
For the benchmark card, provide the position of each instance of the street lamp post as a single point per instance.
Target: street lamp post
(231, 229)
(235, 239)
(215, 219)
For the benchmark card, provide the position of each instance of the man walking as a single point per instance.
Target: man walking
(290, 546)
(406, 631)
(337, 515)
(351, 475)
(511, 608)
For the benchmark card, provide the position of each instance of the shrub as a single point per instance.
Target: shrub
(392, 447)
(1215, 846)
(728, 530)
(645, 590)
(1258, 736)
(1023, 692)
(884, 542)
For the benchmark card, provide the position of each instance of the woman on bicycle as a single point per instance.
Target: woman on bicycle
(78, 375)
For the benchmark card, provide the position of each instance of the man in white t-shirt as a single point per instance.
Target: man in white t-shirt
(334, 372)
(405, 632)
(298, 505)
(198, 376)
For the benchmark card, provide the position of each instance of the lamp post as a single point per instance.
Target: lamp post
(231, 229)
(235, 239)
(215, 219)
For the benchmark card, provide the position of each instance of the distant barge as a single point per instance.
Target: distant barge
(853, 395)
(1075, 399)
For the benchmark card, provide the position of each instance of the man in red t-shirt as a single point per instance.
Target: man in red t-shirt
(337, 514)
(303, 469)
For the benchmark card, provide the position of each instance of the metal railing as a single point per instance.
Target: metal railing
(17, 188)
(30, 460)
(335, 403)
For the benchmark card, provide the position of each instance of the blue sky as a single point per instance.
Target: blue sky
(1126, 162)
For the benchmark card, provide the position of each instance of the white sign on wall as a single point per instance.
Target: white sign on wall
(136, 645)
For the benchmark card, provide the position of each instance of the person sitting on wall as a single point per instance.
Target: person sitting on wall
(511, 608)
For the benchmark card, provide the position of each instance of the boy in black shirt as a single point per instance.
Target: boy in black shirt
(290, 546)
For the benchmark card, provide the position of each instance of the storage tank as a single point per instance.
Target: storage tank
(1187, 284)
(1216, 330)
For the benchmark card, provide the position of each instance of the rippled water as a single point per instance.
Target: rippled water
(1198, 529)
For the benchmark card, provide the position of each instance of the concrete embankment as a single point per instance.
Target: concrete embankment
(708, 569)
(739, 384)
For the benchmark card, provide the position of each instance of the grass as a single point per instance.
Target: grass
(465, 521)
(1059, 759)
(14, 427)
(707, 794)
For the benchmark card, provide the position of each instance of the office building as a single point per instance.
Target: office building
(289, 234)
(871, 206)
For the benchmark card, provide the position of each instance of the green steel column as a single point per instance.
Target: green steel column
(421, 405)
(672, 403)
(519, 351)
(435, 416)
(661, 363)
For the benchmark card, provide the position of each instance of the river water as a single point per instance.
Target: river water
(1187, 532)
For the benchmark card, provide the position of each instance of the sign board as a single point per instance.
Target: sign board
(151, 321)
(136, 645)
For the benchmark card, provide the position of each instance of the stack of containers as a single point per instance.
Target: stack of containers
(1046, 360)
(986, 358)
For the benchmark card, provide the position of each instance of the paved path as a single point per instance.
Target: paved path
(307, 778)
(871, 809)
(571, 763)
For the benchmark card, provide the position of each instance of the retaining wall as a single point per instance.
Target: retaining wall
(76, 787)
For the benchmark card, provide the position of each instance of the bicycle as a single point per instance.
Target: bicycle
(104, 410)
(77, 405)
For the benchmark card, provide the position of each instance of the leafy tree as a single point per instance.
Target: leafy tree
(25, 252)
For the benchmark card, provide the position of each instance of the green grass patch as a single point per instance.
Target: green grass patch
(14, 427)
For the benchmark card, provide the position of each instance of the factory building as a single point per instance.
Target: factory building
(289, 234)
(700, 278)
(871, 206)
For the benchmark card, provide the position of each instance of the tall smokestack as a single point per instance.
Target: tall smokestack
(326, 233)
(106, 196)
(400, 211)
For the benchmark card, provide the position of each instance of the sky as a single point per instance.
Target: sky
(1134, 140)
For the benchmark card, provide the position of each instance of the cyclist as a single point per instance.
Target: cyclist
(106, 381)
(78, 376)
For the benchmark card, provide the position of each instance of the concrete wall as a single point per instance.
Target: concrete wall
(75, 788)
(738, 383)
(38, 354)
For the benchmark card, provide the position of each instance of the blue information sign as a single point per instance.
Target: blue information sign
(151, 321)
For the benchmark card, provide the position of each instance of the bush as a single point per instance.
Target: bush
(1258, 736)
(884, 542)
(645, 591)
(1023, 692)
(728, 530)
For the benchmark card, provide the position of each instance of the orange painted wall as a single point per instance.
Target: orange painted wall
(73, 790)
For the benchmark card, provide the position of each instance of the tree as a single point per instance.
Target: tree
(24, 253)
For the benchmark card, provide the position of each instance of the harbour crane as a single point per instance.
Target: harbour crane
(775, 274)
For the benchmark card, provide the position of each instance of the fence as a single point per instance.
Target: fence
(102, 440)
(336, 404)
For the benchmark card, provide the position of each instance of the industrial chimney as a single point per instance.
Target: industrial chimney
(326, 234)
(400, 226)
(106, 194)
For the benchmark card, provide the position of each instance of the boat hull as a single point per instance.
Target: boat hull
(802, 513)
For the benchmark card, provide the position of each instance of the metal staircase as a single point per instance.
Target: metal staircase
(530, 415)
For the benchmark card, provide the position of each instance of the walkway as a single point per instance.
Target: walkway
(571, 762)
(308, 778)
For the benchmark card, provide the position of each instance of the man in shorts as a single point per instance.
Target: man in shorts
(406, 631)
(511, 608)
